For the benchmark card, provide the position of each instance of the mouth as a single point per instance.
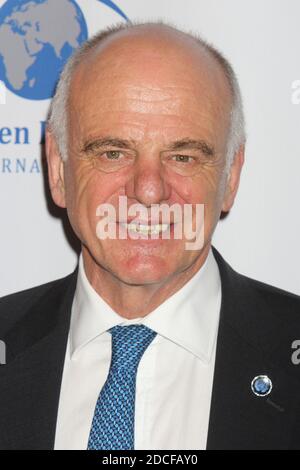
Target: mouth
(145, 229)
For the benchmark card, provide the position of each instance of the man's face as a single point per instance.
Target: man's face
(148, 120)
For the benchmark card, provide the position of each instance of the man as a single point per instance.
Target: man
(148, 345)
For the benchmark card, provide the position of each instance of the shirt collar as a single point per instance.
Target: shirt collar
(189, 317)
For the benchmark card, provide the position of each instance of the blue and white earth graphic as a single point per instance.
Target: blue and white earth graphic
(36, 39)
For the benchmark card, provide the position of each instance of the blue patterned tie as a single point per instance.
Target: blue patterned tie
(113, 422)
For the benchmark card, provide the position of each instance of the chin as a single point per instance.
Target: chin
(144, 270)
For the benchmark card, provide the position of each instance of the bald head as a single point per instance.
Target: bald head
(151, 39)
(152, 51)
(153, 59)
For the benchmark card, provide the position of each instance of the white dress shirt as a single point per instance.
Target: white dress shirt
(175, 374)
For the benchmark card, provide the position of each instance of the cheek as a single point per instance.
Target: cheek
(82, 194)
(207, 189)
(87, 188)
(204, 188)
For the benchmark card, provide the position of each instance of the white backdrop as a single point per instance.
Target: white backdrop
(260, 236)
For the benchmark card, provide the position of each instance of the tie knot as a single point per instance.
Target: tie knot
(129, 343)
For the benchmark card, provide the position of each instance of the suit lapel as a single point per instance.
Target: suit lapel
(239, 419)
(30, 381)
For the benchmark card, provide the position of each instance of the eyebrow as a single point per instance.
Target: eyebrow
(106, 142)
(182, 144)
(202, 145)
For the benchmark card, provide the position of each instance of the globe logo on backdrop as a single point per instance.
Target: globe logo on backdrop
(36, 39)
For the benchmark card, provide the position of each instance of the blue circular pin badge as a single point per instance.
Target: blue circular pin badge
(261, 385)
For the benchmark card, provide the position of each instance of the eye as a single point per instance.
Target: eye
(112, 154)
(182, 158)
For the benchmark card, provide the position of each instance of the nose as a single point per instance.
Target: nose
(148, 185)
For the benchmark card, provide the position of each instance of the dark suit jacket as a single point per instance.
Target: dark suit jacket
(258, 325)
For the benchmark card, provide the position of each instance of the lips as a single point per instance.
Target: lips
(145, 228)
(153, 221)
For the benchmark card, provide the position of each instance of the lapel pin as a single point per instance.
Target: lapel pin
(261, 385)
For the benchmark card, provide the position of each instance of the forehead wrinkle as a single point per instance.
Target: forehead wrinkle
(142, 129)
(171, 107)
(137, 96)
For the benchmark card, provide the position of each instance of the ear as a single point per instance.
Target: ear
(55, 170)
(233, 179)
